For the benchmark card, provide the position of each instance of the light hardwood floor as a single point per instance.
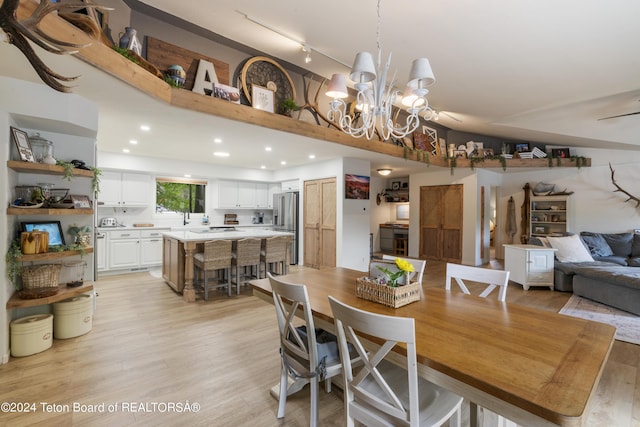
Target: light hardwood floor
(148, 349)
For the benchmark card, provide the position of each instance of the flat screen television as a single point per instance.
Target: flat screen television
(56, 238)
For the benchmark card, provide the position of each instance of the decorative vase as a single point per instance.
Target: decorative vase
(177, 74)
(83, 240)
(126, 37)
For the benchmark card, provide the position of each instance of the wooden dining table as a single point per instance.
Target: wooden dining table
(534, 367)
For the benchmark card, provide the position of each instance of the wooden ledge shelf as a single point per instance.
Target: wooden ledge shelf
(111, 62)
(41, 168)
(54, 255)
(41, 211)
(64, 292)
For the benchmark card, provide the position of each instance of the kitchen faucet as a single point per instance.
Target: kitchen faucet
(185, 217)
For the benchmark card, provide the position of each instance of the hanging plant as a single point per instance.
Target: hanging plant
(68, 169)
(14, 267)
(452, 163)
(95, 181)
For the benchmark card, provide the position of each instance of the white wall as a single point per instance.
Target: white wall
(355, 221)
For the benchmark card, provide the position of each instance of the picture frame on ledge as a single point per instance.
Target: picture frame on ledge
(56, 237)
(80, 201)
(562, 153)
(21, 139)
(262, 98)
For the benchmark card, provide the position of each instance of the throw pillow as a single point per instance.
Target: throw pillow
(570, 249)
(597, 245)
(620, 243)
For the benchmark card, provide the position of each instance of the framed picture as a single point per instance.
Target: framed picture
(356, 187)
(522, 147)
(487, 153)
(395, 185)
(56, 238)
(539, 230)
(80, 202)
(23, 145)
(459, 154)
(432, 139)
(262, 98)
(420, 141)
(562, 153)
(474, 149)
(442, 147)
(228, 93)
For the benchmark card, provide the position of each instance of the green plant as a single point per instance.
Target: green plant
(126, 53)
(68, 169)
(288, 105)
(172, 82)
(404, 268)
(95, 181)
(14, 267)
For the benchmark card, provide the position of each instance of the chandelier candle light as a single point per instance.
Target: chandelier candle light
(375, 99)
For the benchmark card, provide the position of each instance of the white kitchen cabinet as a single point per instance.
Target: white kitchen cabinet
(530, 265)
(291, 185)
(100, 250)
(243, 194)
(150, 248)
(121, 189)
(124, 249)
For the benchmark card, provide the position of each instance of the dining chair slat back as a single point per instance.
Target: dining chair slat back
(492, 278)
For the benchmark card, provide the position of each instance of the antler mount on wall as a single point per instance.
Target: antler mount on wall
(620, 189)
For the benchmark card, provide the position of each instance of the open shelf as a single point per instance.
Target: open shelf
(41, 211)
(41, 168)
(54, 255)
(64, 292)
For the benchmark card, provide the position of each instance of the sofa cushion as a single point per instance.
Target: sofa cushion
(597, 245)
(633, 262)
(620, 260)
(619, 243)
(635, 245)
(570, 249)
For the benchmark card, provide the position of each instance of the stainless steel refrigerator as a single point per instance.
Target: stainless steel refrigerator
(285, 218)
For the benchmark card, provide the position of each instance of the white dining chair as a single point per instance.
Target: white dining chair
(492, 278)
(418, 265)
(382, 393)
(304, 360)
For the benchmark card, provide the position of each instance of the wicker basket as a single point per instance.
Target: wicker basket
(40, 276)
(386, 295)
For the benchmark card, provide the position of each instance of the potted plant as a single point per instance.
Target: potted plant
(400, 277)
(81, 234)
(288, 106)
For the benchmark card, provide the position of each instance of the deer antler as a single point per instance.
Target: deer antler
(19, 31)
(631, 197)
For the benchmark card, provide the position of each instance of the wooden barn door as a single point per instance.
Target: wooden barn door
(441, 222)
(320, 223)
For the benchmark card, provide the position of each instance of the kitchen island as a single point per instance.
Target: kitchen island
(178, 248)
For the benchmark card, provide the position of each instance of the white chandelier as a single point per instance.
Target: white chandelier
(374, 100)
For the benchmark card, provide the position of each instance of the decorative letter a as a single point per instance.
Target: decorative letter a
(205, 78)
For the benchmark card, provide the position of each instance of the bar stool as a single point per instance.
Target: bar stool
(400, 246)
(217, 258)
(274, 255)
(246, 255)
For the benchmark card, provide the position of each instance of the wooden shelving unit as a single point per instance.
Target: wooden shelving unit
(47, 256)
(64, 292)
(45, 211)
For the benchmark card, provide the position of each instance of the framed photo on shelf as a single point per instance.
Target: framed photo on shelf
(23, 145)
(262, 98)
(395, 185)
(56, 238)
(562, 153)
(487, 153)
(522, 147)
(459, 154)
(539, 230)
(80, 202)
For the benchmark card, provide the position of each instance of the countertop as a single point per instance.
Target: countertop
(188, 227)
(193, 235)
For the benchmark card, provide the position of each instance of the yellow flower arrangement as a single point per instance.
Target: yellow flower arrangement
(404, 268)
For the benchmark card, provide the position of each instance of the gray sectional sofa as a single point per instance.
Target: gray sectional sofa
(612, 278)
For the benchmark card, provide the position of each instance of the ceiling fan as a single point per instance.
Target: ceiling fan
(620, 115)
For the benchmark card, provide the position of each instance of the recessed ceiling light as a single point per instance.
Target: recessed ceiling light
(145, 128)
(283, 162)
(267, 148)
(125, 150)
(221, 154)
(312, 156)
(217, 140)
(384, 172)
(186, 175)
(133, 142)
(263, 167)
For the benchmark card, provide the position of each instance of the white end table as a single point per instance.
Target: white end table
(530, 265)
